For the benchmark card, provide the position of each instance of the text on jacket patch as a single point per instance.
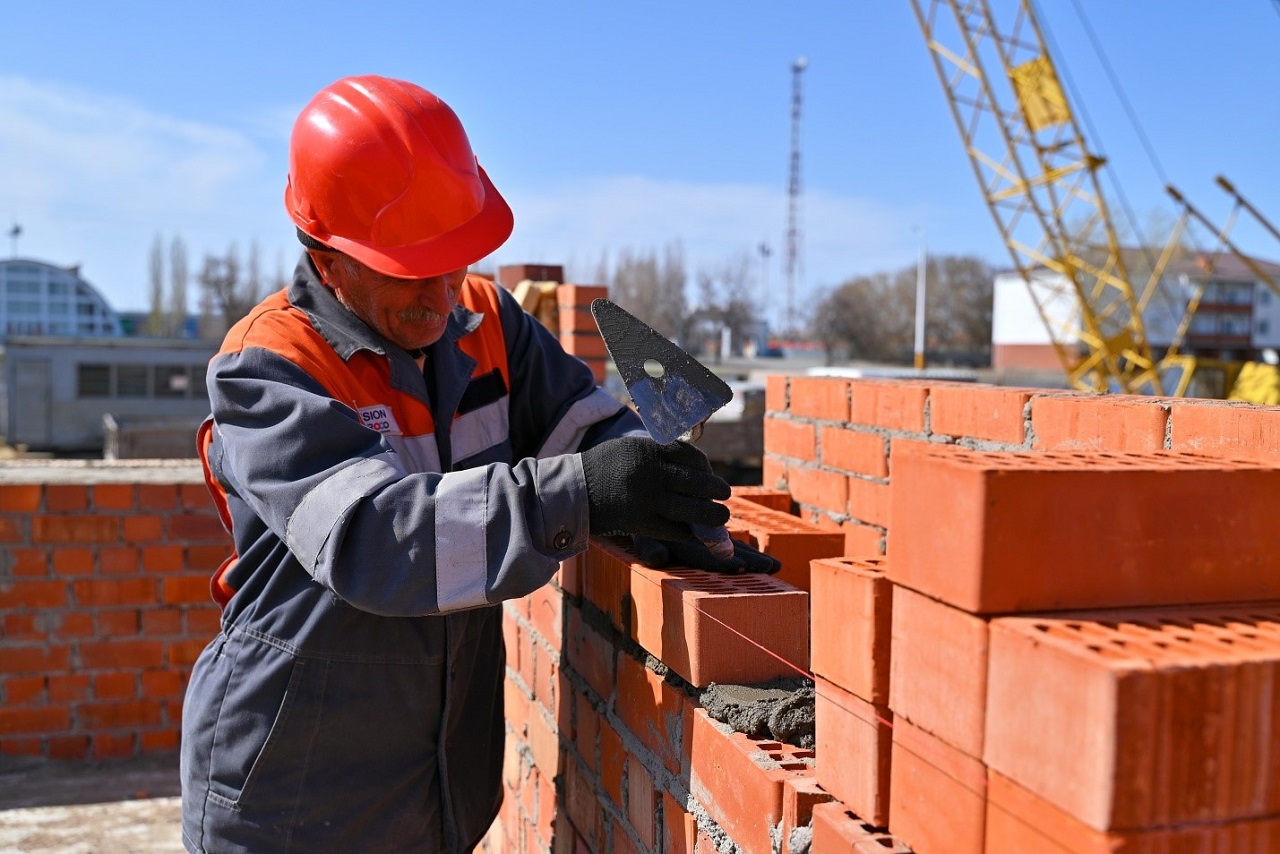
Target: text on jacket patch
(379, 418)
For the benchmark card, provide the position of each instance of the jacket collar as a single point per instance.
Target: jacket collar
(346, 333)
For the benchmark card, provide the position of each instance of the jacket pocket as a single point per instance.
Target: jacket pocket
(266, 720)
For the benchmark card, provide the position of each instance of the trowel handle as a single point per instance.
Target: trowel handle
(715, 538)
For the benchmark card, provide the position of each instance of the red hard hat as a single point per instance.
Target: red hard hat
(382, 170)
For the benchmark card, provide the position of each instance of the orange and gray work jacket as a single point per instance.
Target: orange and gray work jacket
(380, 513)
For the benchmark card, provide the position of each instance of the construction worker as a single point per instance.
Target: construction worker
(396, 447)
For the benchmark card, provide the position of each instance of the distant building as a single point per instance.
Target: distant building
(42, 299)
(1238, 315)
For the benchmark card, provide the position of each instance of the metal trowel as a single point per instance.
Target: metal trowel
(673, 392)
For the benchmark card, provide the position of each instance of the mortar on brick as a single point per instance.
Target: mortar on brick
(782, 709)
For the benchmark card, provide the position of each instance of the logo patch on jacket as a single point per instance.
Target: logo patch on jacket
(380, 418)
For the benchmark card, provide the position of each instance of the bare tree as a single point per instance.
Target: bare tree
(653, 289)
(227, 293)
(156, 319)
(177, 287)
(724, 303)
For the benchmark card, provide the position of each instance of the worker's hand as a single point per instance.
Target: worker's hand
(693, 554)
(636, 486)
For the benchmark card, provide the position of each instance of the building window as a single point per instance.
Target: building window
(1263, 326)
(131, 380)
(1264, 296)
(198, 388)
(171, 381)
(93, 380)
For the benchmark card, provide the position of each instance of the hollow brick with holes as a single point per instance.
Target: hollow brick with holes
(1158, 716)
(850, 624)
(739, 780)
(791, 540)
(838, 830)
(1093, 530)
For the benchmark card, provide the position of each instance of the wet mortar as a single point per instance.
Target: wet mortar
(781, 710)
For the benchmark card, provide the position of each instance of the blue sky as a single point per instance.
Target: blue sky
(608, 126)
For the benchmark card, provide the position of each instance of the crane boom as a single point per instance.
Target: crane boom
(1040, 182)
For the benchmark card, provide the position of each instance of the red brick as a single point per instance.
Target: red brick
(516, 708)
(715, 628)
(799, 796)
(115, 591)
(1004, 532)
(1111, 422)
(184, 653)
(117, 623)
(794, 439)
(547, 811)
(204, 621)
(590, 655)
(739, 780)
(680, 828)
(545, 674)
(1017, 820)
(774, 499)
(586, 730)
(162, 621)
(652, 710)
(200, 527)
(788, 538)
(119, 560)
(20, 497)
(45, 719)
(21, 690)
(606, 576)
(853, 738)
(113, 496)
(72, 747)
(13, 530)
(570, 294)
(862, 539)
(546, 612)
(70, 560)
(585, 345)
(1159, 716)
(195, 497)
(836, 830)
(161, 683)
(164, 741)
(939, 673)
(206, 558)
(773, 472)
(143, 529)
(825, 490)
(29, 563)
(33, 594)
(855, 451)
(74, 529)
(68, 688)
(851, 616)
(775, 393)
(101, 655)
(937, 794)
(821, 398)
(115, 686)
(1229, 430)
(993, 413)
(66, 497)
(642, 803)
(157, 496)
(544, 742)
(891, 405)
(179, 589)
(574, 319)
(113, 746)
(166, 558)
(868, 501)
(612, 759)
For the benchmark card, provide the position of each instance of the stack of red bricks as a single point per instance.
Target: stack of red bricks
(576, 328)
(1072, 648)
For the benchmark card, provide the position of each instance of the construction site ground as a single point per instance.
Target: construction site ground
(126, 806)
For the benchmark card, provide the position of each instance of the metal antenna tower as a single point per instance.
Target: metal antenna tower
(793, 194)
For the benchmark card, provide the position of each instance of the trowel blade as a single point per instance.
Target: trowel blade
(672, 391)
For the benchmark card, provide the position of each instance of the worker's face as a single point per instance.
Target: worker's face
(410, 313)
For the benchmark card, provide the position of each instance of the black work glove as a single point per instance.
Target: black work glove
(636, 486)
(693, 554)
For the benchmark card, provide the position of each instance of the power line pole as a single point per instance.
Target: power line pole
(793, 194)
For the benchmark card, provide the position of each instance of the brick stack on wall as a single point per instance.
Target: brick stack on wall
(1072, 641)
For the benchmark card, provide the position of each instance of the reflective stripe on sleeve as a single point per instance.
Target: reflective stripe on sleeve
(461, 554)
(481, 428)
(595, 407)
(332, 499)
(419, 453)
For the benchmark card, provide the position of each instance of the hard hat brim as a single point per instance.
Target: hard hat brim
(475, 239)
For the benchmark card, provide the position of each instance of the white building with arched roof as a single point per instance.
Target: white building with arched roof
(43, 299)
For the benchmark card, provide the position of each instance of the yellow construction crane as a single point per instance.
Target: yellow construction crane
(1042, 185)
